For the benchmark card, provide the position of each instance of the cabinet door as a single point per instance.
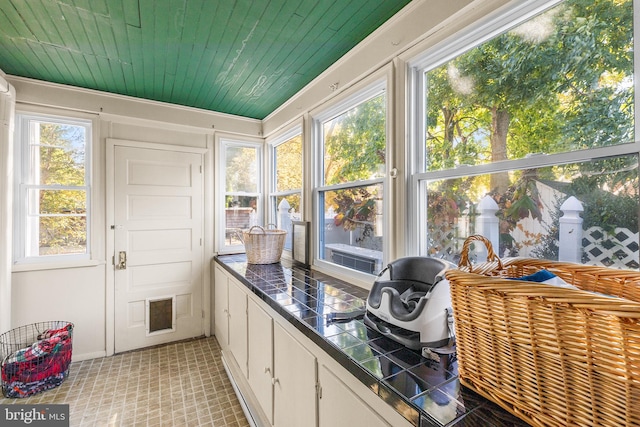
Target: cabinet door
(341, 407)
(221, 307)
(261, 357)
(294, 382)
(238, 324)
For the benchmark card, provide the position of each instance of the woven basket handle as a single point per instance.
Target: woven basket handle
(464, 254)
(256, 226)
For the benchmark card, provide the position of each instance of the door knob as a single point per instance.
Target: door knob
(122, 260)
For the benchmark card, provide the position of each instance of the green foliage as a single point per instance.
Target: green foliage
(355, 150)
(561, 82)
(355, 143)
(241, 169)
(356, 207)
(289, 164)
(557, 83)
(62, 226)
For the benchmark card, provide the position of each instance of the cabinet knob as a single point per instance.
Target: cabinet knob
(274, 381)
(267, 370)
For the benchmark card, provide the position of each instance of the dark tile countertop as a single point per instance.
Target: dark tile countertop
(425, 392)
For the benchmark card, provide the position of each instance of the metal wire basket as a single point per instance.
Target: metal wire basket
(35, 357)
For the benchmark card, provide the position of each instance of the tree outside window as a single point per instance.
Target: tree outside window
(53, 189)
(286, 192)
(561, 82)
(351, 196)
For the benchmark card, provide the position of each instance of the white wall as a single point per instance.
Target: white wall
(7, 105)
(78, 293)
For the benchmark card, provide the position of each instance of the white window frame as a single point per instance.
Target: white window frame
(372, 87)
(273, 143)
(483, 30)
(24, 235)
(225, 142)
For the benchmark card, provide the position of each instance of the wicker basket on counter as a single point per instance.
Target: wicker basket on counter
(553, 356)
(263, 245)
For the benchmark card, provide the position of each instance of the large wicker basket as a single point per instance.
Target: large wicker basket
(263, 246)
(552, 356)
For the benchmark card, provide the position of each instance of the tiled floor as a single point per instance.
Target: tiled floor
(180, 384)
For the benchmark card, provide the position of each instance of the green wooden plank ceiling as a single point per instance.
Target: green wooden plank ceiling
(239, 57)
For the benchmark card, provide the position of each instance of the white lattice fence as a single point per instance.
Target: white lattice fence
(444, 243)
(617, 250)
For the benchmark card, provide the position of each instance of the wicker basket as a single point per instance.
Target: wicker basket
(263, 246)
(552, 356)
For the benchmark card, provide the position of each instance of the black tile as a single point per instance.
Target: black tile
(407, 358)
(407, 384)
(343, 340)
(381, 366)
(442, 403)
(385, 345)
(433, 373)
(409, 411)
(361, 352)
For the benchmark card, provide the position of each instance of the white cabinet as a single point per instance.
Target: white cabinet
(221, 306)
(261, 357)
(294, 382)
(238, 324)
(230, 316)
(339, 406)
(282, 368)
(282, 372)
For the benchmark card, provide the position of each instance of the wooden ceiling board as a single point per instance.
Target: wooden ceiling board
(212, 57)
(293, 50)
(250, 69)
(239, 57)
(193, 29)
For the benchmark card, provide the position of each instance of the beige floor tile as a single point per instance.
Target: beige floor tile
(180, 384)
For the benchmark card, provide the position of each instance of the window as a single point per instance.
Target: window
(542, 109)
(286, 192)
(241, 198)
(351, 165)
(52, 188)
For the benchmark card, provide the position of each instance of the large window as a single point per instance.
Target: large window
(514, 127)
(351, 170)
(286, 187)
(53, 188)
(241, 198)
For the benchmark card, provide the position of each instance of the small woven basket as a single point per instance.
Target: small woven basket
(552, 356)
(263, 246)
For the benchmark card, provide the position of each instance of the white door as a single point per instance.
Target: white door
(158, 217)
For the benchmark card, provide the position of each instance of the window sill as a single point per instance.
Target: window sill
(18, 268)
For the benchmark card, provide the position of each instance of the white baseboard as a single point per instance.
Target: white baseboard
(87, 356)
